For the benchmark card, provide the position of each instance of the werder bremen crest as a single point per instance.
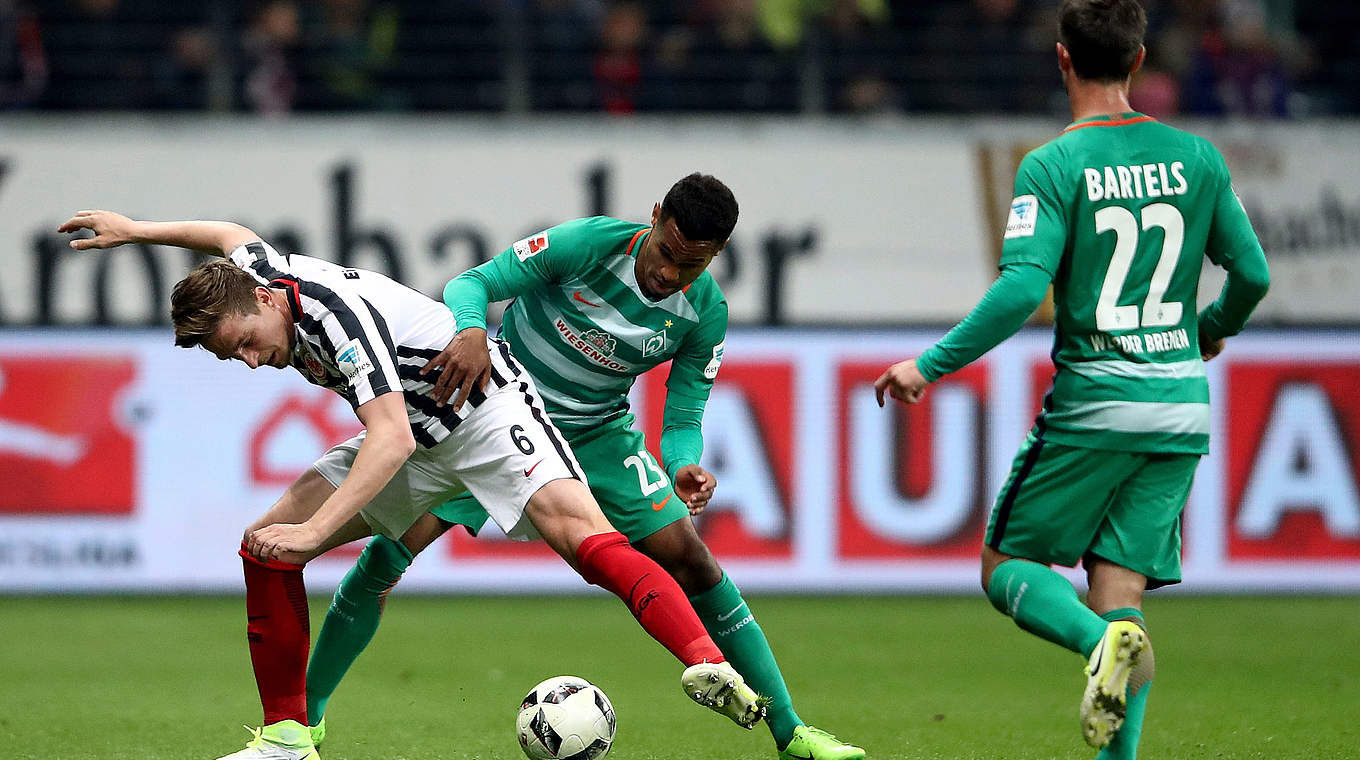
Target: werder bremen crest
(601, 340)
(654, 344)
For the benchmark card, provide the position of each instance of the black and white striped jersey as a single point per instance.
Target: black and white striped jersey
(362, 334)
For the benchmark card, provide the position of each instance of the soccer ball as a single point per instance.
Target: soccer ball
(565, 718)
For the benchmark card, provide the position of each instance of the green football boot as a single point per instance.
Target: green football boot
(810, 743)
(318, 732)
(285, 740)
(1103, 704)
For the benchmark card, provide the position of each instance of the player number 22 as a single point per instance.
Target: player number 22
(642, 462)
(1111, 316)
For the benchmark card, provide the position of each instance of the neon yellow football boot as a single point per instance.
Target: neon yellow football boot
(285, 740)
(1103, 704)
(318, 733)
(810, 743)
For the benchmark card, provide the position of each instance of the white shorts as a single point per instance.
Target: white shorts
(503, 452)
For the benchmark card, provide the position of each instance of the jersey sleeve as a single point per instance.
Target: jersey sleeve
(1010, 300)
(1230, 232)
(1036, 227)
(1233, 245)
(260, 259)
(364, 350)
(693, 371)
(553, 255)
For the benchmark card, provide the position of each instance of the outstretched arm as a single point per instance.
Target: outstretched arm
(112, 230)
(1003, 310)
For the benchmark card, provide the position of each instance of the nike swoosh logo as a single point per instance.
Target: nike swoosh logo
(530, 471)
(808, 756)
(577, 296)
(657, 506)
(723, 619)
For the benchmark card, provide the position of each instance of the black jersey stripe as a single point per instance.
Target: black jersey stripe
(553, 434)
(426, 406)
(353, 329)
(411, 373)
(383, 332)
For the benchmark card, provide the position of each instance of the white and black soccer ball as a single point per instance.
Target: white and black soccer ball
(565, 718)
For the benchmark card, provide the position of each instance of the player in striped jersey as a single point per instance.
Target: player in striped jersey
(366, 337)
(1118, 212)
(599, 301)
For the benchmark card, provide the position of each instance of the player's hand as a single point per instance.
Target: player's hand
(903, 381)
(110, 230)
(464, 365)
(1209, 348)
(694, 485)
(272, 541)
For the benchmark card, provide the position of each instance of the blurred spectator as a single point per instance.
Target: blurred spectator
(1155, 91)
(1333, 29)
(1235, 67)
(717, 58)
(350, 50)
(617, 64)
(94, 57)
(269, 54)
(23, 66)
(1250, 57)
(989, 56)
(179, 77)
(861, 52)
(562, 43)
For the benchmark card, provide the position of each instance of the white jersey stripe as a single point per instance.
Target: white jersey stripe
(676, 303)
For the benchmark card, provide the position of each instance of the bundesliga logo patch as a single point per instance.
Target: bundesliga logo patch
(1024, 212)
(353, 360)
(531, 246)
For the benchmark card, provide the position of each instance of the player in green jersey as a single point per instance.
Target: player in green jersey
(599, 301)
(1117, 213)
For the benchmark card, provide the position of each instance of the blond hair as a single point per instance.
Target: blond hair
(212, 292)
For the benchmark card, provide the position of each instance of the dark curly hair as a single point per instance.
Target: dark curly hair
(703, 208)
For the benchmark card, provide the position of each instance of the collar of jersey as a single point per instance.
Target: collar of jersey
(1109, 120)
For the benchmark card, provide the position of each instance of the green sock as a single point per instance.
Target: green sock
(1045, 604)
(352, 619)
(735, 630)
(1124, 745)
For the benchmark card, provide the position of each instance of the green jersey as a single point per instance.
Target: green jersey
(1120, 212)
(584, 329)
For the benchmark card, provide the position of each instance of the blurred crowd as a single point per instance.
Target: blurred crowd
(1259, 58)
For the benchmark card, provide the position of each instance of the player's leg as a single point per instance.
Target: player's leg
(278, 626)
(1120, 671)
(356, 609)
(1138, 547)
(1048, 513)
(680, 551)
(567, 517)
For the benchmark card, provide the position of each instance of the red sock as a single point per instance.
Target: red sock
(608, 561)
(279, 631)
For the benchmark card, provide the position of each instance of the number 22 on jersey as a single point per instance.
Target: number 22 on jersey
(1155, 313)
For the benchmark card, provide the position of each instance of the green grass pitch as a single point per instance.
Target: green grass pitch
(152, 678)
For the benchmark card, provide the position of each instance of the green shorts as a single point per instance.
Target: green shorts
(1062, 503)
(630, 485)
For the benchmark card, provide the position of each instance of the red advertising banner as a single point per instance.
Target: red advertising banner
(753, 436)
(63, 446)
(910, 475)
(1293, 443)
